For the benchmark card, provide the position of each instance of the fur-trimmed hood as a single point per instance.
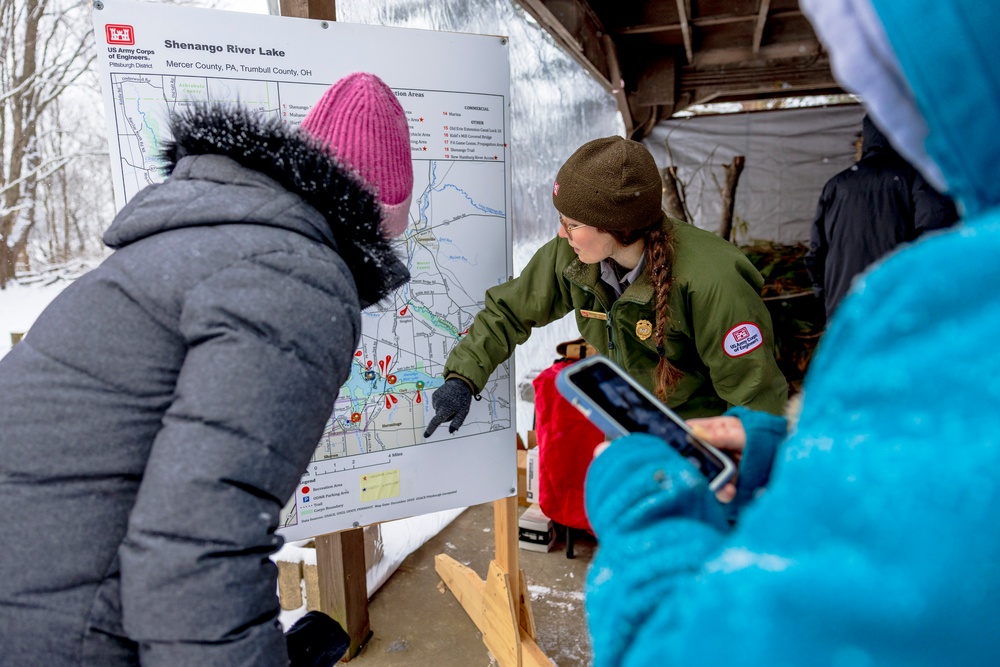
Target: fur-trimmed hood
(291, 169)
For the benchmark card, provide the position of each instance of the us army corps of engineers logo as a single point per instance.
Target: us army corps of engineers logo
(743, 338)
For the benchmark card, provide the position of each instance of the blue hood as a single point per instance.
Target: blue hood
(947, 53)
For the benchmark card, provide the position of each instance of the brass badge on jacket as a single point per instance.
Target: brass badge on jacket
(643, 329)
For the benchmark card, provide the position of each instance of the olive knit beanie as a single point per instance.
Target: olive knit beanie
(612, 184)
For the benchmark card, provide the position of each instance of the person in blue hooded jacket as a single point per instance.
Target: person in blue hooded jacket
(875, 540)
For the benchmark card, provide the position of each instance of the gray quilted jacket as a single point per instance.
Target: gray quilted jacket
(160, 412)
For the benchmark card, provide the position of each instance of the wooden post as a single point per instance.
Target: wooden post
(343, 588)
(325, 10)
(499, 606)
(340, 557)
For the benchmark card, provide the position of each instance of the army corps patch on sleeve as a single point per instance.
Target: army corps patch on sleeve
(743, 338)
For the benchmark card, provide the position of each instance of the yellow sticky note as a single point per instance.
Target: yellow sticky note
(379, 485)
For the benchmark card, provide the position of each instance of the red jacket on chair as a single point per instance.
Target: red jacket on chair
(566, 443)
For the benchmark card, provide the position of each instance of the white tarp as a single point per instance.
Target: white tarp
(790, 154)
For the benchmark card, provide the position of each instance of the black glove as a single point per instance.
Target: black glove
(452, 401)
(316, 640)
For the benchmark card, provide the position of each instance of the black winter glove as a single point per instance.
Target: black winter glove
(451, 401)
(316, 640)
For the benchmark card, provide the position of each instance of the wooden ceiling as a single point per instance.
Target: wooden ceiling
(659, 57)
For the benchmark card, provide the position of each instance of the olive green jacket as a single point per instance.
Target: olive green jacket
(719, 335)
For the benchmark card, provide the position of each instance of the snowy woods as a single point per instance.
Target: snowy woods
(55, 194)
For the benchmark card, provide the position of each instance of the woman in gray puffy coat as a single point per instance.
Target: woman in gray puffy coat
(161, 410)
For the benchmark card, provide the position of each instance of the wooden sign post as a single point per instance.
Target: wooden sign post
(340, 557)
(499, 606)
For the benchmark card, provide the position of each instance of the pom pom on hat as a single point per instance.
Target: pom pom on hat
(363, 125)
(612, 184)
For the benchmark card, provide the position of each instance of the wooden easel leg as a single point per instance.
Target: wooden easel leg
(526, 619)
(501, 632)
(343, 589)
(500, 606)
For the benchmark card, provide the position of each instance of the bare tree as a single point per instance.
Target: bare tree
(45, 46)
(727, 191)
(673, 194)
(675, 189)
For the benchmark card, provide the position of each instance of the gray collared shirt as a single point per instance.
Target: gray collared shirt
(608, 275)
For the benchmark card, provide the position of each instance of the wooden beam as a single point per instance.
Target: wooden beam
(701, 22)
(703, 97)
(541, 13)
(584, 45)
(731, 84)
(744, 55)
(615, 74)
(774, 75)
(325, 10)
(758, 31)
(683, 13)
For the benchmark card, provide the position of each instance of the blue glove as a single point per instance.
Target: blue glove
(451, 401)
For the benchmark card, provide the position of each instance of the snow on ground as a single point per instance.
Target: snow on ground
(26, 297)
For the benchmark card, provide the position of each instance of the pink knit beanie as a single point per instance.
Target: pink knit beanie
(361, 122)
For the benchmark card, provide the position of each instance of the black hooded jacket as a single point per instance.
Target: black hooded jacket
(867, 210)
(161, 410)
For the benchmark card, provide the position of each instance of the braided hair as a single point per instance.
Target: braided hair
(659, 251)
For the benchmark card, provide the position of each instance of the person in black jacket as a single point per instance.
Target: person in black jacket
(161, 410)
(867, 210)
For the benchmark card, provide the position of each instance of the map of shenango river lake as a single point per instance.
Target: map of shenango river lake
(453, 246)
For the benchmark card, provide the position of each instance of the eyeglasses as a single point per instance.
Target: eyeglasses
(570, 226)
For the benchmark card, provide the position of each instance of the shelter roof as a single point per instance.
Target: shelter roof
(659, 57)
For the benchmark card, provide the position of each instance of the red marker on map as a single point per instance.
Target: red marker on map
(358, 353)
(405, 308)
(418, 397)
(394, 399)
